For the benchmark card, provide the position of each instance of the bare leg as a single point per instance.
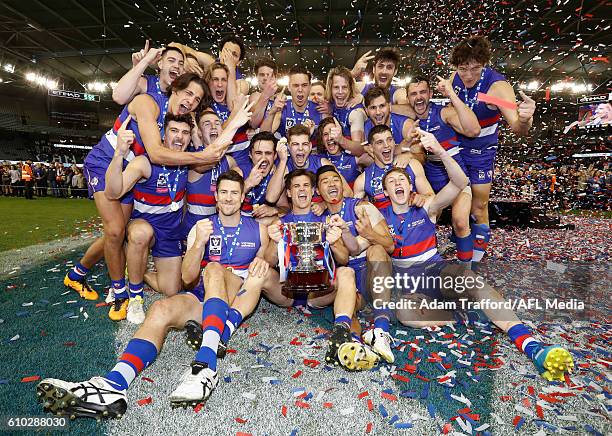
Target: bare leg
(140, 238)
(168, 276)
(114, 231)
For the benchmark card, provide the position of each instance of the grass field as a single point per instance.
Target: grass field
(44, 219)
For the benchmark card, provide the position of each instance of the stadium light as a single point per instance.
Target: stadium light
(283, 81)
(112, 84)
(96, 86)
(9, 68)
(41, 80)
(533, 85)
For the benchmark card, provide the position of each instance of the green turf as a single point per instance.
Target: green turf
(50, 345)
(28, 222)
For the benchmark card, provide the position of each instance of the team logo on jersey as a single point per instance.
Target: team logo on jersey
(289, 123)
(162, 183)
(214, 245)
(481, 175)
(94, 182)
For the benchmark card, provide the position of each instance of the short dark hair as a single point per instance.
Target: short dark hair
(388, 54)
(298, 129)
(324, 169)
(263, 136)
(298, 69)
(235, 40)
(378, 129)
(183, 81)
(206, 111)
(172, 48)
(319, 133)
(184, 118)
(474, 48)
(297, 173)
(266, 62)
(231, 176)
(395, 170)
(375, 92)
(418, 79)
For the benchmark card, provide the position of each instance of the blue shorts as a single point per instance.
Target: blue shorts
(480, 164)
(361, 276)
(198, 290)
(436, 174)
(168, 243)
(94, 167)
(423, 278)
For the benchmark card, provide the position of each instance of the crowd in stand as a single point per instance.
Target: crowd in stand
(556, 187)
(42, 179)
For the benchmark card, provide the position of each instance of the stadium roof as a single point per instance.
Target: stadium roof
(80, 41)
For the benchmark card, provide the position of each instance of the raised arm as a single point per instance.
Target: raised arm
(276, 185)
(460, 117)
(133, 83)
(519, 119)
(261, 102)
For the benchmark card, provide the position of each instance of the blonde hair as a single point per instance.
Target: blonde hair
(342, 72)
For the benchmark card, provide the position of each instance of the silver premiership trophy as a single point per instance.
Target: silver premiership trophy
(307, 278)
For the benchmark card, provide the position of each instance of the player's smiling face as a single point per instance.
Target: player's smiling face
(340, 90)
(470, 73)
(383, 146)
(229, 197)
(300, 148)
(384, 70)
(210, 127)
(397, 187)
(186, 100)
(418, 97)
(331, 146)
(263, 154)
(301, 192)
(171, 65)
(218, 85)
(330, 187)
(379, 110)
(177, 135)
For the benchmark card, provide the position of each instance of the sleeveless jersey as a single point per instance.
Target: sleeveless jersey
(240, 142)
(368, 86)
(342, 114)
(396, 123)
(346, 163)
(313, 163)
(108, 143)
(487, 118)
(153, 84)
(234, 247)
(201, 193)
(257, 195)
(414, 236)
(291, 117)
(373, 186)
(348, 214)
(445, 134)
(159, 199)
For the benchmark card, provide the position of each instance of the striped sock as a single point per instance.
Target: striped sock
(214, 316)
(381, 320)
(138, 355)
(119, 288)
(136, 289)
(78, 272)
(356, 337)
(343, 319)
(481, 234)
(524, 341)
(465, 248)
(234, 319)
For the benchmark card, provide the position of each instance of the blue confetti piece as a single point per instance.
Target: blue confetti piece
(23, 313)
(409, 394)
(308, 397)
(383, 411)
(388, 391)
(431, 409)
(343, 380)
(393, 420)
(300, 389)
(291, 362)
(3, 382)
(227, 379)
(591, 430)
(425, 392)
(403, 425)
(242, 292)
(68, 315)
(294, 432)
(275, 382)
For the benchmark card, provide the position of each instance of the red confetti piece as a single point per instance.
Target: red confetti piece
(328, 405)
(243, 434)
(30, 379)
(302, 395)
(464, 410)
(144, 401)
(102, 304)
(252, 335)
(539, 411)
(240, 420)
(549, 398)
(505, 398)
(401, 378)
(312, 363)
(370, 405)
(302, 404)
(420, 377)
(231, 351)
(499, 102)
(410, 368)
(516, 420)
(284, 411)
(297, 374)
(531, 390)
(197, 408)
(147, 379)
(69, 344)
(447, 428)
(369, 426)
(526, 402)
(295, 341)
(387, 396)
(363, 395)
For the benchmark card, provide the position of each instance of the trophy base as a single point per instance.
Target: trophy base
(307, 284)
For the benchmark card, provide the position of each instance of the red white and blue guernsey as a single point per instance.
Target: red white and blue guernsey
(373, 186)
(396, 123)
(342, 114)
(346, 164)
(313, 163)
(357, 263)
(257, 195)
(447, 137)
(479, 153)
(201, 196)
(159, 201)
(369, 86)
(153, 86)
(239, 149)
(99, 158)
(416, 252)
(233, 247)
(291, 117)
